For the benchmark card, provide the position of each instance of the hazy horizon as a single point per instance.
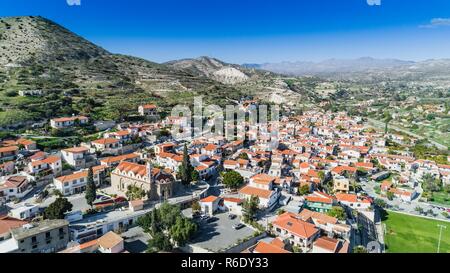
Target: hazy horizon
(254, 31)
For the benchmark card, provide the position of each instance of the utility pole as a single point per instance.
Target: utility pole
(440, 235)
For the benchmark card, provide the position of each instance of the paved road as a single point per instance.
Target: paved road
(381, 125)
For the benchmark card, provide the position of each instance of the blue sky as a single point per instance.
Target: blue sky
(254, 31)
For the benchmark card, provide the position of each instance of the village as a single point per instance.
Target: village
(321, 190)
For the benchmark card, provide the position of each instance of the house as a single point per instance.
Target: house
(123, 136)
(107, 145)
(39, 237)
(291, 228)
(6, 224)
(26, 93)
(27, 211)
(341, 184)
(22, 143)
(76, 182)
(8, 153)
(275, 246)
(267, 198)
(319, 201)
(75, 157)
(61, 123)
(233, 205)
(148, 110)
(111, 242)
(210, 204)
(14, 187)
(403, 194)
(230, 164)
(353, 201)
(380, 176)
(113, 161)
(329, 245)
(328, 224)
(261, 185)
(51, 165)
(7, 168)
(136, 205)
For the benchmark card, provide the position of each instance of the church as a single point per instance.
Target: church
(158, 184)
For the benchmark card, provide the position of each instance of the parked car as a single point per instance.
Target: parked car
(231, 216)
(238, 226)
(211, 219)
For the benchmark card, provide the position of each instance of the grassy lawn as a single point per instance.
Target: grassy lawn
(442, 198)
(411, 234)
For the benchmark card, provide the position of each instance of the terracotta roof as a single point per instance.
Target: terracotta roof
(49, 160)
(149, 106)
(209, 199)
(69, 119)
(230, 162)
(119, 158)
(125, 166)
(104, 141)
(327, 243)
(109, 240)
(233, 200)
(76, 150)
(353, 198)
(341, 169)
(261, 193)
(201, 168)
(8, 149)
(121, 133)
(263, 178)
(7, 223)
(306, 214)
(263, 247)
(291, 223)
(210, 147)
(79, 175)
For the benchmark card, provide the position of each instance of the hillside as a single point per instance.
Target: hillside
(79, 77)
(219, 71)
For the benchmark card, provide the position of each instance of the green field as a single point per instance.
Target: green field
(411, 234)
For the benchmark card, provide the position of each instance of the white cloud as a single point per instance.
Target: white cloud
(437, 22)
(74, 2)
(374, 2)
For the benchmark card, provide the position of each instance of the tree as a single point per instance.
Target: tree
(390, 195)
(57, 209)
(321, 175)
(135, 193)
(91, 189)
(167, 225)
(195, 176)
(182, 230)
(244, 156)
(233, 180)
(250, 208)
(359, 249)
(186, 169)
(419, 209)
(303, 190)
(431, 184)
(159, 242)
(338, 212)
(380, 203)
(196, 207)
